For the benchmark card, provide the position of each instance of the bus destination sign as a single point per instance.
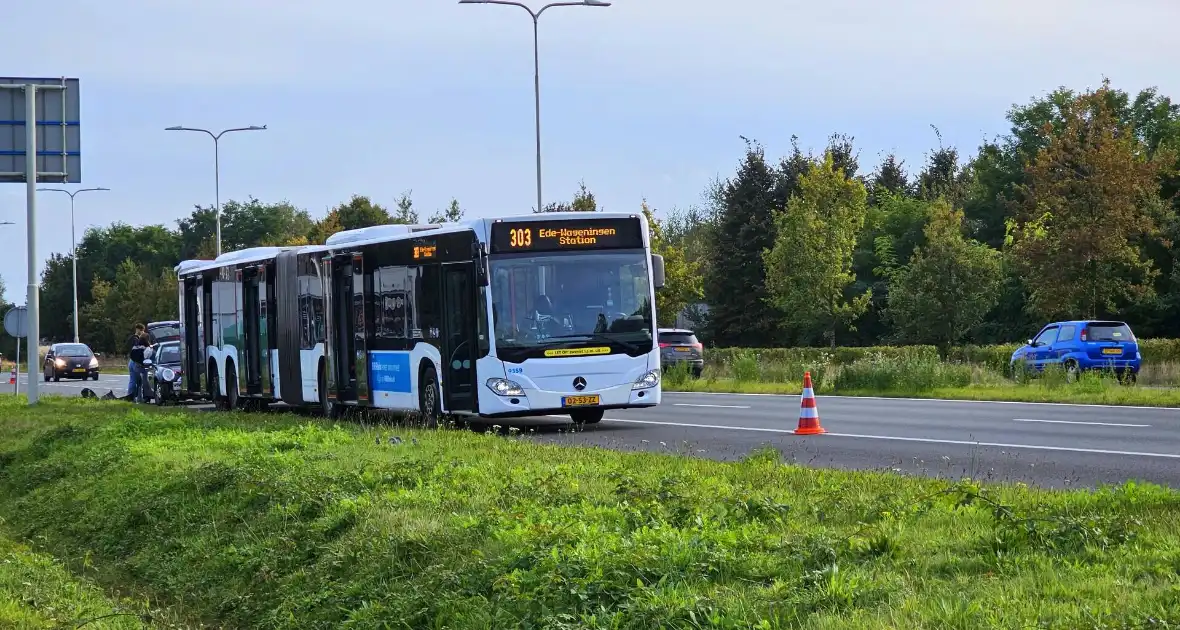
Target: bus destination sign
(563, 235)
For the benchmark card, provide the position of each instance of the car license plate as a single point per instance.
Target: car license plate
(682, 349)
(1112, 351)
(79, 369)
(579, 401)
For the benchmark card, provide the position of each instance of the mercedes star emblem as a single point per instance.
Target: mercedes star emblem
(579, 383)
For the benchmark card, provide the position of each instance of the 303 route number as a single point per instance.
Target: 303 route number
(520, 237)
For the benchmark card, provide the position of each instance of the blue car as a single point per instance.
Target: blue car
(1081, 346)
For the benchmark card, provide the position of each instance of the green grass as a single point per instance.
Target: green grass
(38, 592)
(914, 373)
(268, 521)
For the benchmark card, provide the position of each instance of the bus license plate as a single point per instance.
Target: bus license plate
(1112, 351)
(579, 401)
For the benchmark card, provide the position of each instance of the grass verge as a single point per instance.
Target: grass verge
(38, 592)
(913, 377)
(268, 521)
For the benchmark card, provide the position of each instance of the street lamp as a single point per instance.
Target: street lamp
(217, 166)
(73, 245)
(536, 15)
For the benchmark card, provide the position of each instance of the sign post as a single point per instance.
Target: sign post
(51, 155)
(16, 323)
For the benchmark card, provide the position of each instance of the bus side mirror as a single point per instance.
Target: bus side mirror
(657, 270)
(481, 264)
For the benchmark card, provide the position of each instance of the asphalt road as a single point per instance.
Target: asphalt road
(1042, 444)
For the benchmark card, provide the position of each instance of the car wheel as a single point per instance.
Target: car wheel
(1072, 372)
(587, 416)
(56, 377)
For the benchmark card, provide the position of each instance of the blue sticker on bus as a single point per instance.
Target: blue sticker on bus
(390, 372)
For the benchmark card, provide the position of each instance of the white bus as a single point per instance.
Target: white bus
(508, 317)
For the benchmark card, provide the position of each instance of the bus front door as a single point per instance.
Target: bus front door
(459, 336)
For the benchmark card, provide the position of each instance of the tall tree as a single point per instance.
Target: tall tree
(941, 176)
(893, 230)
(249, 224)
(452, 214)
(100, 252)
(844, 155)
(1090, 204)
(406, 214)
(948, 287)
(136, 295)
(735, 287)
(889, 179)
(358, 212)
(682, 280)
(583, 201)
(809, 267)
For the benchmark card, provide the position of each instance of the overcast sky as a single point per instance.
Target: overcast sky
(646, 98)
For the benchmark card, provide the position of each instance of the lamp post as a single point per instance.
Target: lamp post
(217, 166)
(536, 15)
(73, 245)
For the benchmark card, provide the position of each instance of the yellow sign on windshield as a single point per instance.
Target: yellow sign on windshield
(576, 352)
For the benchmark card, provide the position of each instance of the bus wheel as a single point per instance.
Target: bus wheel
(231, 391)
(428, 402)
(587, 416)
(327, 407)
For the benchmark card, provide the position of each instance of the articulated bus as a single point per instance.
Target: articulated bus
(539, 314)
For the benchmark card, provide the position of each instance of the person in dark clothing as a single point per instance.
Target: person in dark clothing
(137, 343)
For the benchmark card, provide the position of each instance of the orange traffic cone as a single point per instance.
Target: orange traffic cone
(808, 412)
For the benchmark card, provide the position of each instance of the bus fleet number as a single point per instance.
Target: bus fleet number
(520, 237)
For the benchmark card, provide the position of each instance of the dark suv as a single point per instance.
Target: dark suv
(678, 345)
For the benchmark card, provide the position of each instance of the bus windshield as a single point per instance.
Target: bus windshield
(542, 302)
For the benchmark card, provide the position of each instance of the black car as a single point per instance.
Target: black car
(678, 345)
(164, 371)
(70, 360)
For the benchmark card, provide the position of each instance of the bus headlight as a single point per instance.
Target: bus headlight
(504, 387)
(647, 381)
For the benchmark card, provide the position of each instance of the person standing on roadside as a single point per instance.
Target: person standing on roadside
(137, 342)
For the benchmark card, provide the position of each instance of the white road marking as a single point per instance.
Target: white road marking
(1070, 449)
(1101, 424)
(712, 406)
(931, 400)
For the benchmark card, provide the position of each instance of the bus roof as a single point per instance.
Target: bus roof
(383, 233)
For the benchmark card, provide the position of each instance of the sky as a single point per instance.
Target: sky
(643, 99)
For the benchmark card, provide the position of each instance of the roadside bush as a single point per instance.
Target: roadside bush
(923, 367)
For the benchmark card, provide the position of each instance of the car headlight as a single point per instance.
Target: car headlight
(167, 374)
(93, 362)
(647, 381)
(60, 362)
(505, 387)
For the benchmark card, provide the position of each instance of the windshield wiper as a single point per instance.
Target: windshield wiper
(601, 337)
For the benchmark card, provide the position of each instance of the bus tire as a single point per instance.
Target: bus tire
(587, 416)
(327, 407)
(428, 396)
(214, 385)
(231, 386)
